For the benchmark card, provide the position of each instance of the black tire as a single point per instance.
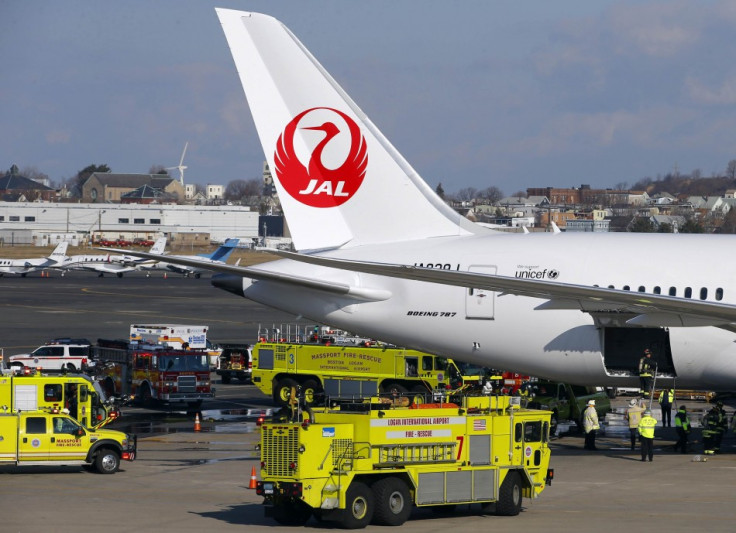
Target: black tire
(197, 275)
(509, 498)
(119, 274)
(394, 389)
(107, 461)
(393, 502)
(311, 390)
(282, 391)
(146, 398)
(359, 506)
(70, 367)
(295, 513)
(226, 378)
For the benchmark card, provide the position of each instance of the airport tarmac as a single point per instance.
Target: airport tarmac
(187, 481)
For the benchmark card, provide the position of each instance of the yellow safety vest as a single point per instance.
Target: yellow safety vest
(646, 427)
(670, 395)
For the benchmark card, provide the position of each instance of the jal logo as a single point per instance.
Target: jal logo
(321, 157)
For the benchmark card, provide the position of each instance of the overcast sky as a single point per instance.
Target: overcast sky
(512, 94)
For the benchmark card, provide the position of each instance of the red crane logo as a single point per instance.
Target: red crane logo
(315, 184)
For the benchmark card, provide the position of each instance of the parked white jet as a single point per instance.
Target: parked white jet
(220, 255)
(21, 267)
(383, 256)
(110, 264)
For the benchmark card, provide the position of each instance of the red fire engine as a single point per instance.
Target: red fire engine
(154, 374)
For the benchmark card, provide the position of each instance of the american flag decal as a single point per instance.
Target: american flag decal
(479, 424)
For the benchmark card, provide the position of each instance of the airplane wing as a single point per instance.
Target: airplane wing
(361, 293)
(645, 309)
(648, 309)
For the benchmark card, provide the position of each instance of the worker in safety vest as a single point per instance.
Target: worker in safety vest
(646, 367)
(646, 435)
(682, 426)
(633, 415)
(666, 397)
(590, 425)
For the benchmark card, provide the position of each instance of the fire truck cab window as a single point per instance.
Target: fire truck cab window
(427, 363)
(64, 425)
(518, 432)
(35, 425)
(52, 393)
(533, 432)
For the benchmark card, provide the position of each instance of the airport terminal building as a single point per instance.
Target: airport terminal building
(42, 223)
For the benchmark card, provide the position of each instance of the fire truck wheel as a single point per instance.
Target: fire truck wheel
(393, 502)
(295, 513)
(107, 461)
(146, 397)
(226, 378)
(310, 388)
(509, 498)
(394, 389)
(282, 391)
(359, 506)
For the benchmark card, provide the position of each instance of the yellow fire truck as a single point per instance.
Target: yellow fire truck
(370, 461)
(83, 397)
(41, 438)
(349, 370)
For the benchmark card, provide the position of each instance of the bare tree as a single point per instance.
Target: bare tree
(243, 191)
(467, 194)
(158, 169)
(731, 169)
(491, 195)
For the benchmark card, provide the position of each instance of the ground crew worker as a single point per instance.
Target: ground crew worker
(633, 415)
(710, 425)
(666, 397)
(646, 367)
(646, 435)
(590, 425)
(682, 426)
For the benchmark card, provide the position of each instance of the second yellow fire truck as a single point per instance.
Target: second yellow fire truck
(352, 370)
(371, 461)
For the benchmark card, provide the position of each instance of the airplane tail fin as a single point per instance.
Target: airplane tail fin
(223, 252)
(59, 252)
(158, 247)
(340, 181)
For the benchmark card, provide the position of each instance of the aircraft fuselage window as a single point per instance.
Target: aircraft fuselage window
(719, 294)
(642, 288)
(688, 292)
(673, 291)
(627, 288)
(703, 293)
(657, 290)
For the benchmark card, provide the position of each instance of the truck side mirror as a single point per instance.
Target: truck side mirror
(79, 432)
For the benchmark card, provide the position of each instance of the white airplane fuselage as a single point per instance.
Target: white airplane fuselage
(506, 331)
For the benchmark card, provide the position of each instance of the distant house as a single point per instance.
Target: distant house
(14, 187)
(109, 187)
(673, 221)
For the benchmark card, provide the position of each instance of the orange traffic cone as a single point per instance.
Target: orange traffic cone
(253, 478)
(197, 425)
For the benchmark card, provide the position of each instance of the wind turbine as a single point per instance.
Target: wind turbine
(181, 167)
